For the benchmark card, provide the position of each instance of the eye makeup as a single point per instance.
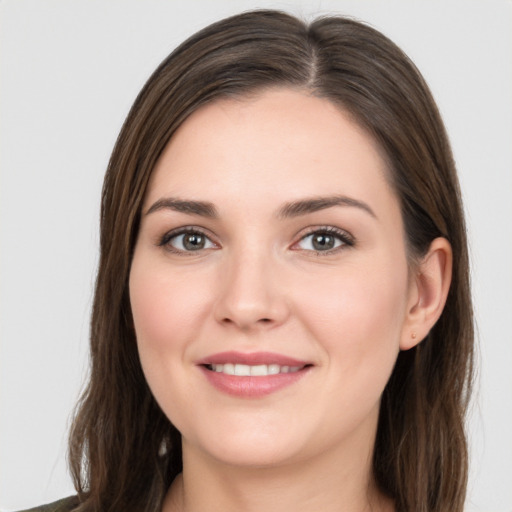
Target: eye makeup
(319, 240)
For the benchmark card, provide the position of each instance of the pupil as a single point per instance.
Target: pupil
(193, 242)
(323, 242)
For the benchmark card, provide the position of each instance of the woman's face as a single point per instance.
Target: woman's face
(271, 246)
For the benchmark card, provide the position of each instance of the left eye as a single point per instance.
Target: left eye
(190, 241)
(322, 241)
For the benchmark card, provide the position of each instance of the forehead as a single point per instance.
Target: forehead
(280, 144)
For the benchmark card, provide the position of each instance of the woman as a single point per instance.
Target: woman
(282, 318)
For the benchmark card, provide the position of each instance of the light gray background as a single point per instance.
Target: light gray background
(69, 73)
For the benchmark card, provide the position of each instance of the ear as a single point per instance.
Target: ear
(429, 285)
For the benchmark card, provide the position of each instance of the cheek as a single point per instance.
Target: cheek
(357, 313)
(163, 304)
(168, 309)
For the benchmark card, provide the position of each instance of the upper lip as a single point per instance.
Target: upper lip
(252, 359)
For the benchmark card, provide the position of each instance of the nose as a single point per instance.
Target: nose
(251, 294)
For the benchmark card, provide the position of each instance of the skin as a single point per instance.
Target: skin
(258, 285)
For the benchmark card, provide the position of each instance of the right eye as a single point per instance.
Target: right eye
(187, 241)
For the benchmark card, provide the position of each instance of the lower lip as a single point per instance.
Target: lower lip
(252, 387)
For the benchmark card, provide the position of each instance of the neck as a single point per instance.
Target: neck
(326, 483)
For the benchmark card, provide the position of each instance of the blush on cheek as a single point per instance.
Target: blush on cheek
(148, 312)
(163, 307)
(360, 311)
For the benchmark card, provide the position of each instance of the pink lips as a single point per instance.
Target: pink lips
(251, 386)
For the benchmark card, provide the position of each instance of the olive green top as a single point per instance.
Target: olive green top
(64, 505)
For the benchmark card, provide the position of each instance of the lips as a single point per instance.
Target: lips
(252, 375)
(259, 370)
(252, 359)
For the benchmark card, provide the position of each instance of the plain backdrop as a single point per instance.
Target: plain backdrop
(69, 73)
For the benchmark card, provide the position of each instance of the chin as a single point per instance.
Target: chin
(248, 444)
(252, 454)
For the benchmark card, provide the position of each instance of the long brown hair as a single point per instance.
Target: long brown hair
(124, 453)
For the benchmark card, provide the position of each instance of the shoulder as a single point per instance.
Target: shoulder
(64, 505)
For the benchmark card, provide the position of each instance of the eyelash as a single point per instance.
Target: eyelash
(188, 230)
(344, 237)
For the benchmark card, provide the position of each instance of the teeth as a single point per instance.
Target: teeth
(273, 369)
(229, 369)
(260, 370)
(243, 370)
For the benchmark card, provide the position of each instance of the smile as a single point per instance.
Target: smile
(245, 370)
(252, 375)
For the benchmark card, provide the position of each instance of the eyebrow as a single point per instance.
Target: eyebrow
(289, 210)
(315, 204)
(202, 208)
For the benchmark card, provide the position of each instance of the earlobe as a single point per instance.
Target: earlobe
(430, 286)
